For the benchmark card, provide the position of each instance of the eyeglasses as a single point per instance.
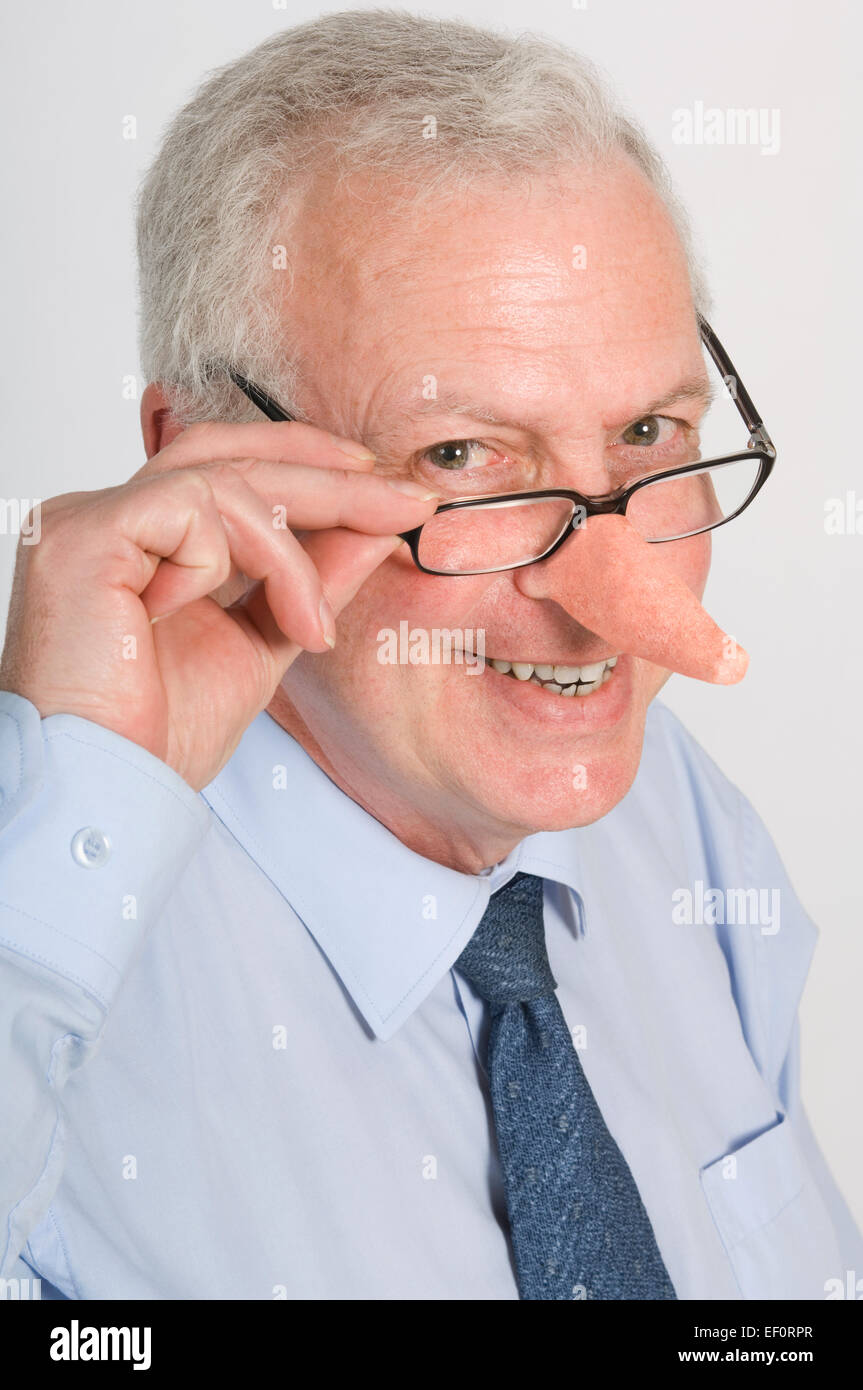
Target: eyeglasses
(503, 531)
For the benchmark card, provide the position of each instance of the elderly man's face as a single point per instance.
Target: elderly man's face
(487, 296)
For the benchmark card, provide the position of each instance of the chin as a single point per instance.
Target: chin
(572, 786)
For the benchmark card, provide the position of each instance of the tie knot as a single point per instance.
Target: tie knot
(505, 959)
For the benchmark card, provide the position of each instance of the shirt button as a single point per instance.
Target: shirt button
(90, 848)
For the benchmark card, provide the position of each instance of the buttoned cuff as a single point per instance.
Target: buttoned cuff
(94, 834)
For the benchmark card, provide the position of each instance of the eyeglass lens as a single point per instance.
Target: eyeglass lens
(471, 540)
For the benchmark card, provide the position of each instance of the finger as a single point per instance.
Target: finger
(279, 441)
(344, 560)
(318, 499)
(291, 584)
(625, 591)
(303, 498)
(126, 533)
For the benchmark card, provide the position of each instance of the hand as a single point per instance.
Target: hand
(113, 615)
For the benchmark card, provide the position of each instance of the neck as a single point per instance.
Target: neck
(467, 844)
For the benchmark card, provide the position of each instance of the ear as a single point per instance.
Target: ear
(158, 425)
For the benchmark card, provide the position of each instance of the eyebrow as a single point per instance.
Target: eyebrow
(696, 388)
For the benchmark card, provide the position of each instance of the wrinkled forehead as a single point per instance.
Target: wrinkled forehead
(577, 271)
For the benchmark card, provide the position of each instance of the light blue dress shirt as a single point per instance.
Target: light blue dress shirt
(237, 1062)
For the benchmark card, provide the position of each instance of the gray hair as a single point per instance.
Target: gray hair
(358, 89)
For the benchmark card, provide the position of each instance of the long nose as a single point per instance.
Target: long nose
(625, 591)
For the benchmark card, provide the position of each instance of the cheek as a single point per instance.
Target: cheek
(396, 593)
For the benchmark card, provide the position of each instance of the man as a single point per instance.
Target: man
(341, 964)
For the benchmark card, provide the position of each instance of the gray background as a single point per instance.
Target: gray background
(781, 236)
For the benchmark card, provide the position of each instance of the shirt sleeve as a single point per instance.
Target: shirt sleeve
(94, 834)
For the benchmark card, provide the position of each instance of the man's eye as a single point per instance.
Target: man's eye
(455, 454)
(653, 429)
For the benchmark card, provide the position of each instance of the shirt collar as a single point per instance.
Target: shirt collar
(390, 922)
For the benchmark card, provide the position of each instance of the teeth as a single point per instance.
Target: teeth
(560, 680)
(592, 673)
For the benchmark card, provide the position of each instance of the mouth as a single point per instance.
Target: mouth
(567, 681)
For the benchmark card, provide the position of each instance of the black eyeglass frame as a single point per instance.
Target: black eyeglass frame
(760, 447)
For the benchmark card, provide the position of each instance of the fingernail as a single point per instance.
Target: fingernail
(418, 490)
(328, 622)
(351, 448)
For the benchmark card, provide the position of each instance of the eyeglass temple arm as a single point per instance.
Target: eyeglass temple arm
(259, 397)
(275, 412)
(742, 398)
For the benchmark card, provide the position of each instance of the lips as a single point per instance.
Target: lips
(527, 708)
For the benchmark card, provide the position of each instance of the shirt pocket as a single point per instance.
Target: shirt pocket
(772, 1221)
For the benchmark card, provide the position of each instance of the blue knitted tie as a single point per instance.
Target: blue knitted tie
(579, 1229)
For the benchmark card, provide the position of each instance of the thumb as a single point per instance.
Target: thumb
(624, 590)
